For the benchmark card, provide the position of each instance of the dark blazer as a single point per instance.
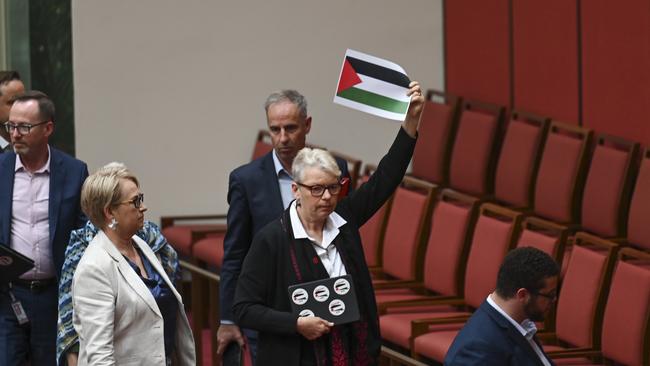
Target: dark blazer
(489, 339)
(255, 200)
(262, 299)
(67, 175)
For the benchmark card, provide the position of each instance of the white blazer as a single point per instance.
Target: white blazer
(116, 316)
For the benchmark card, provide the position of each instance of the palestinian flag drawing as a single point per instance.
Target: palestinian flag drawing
(373, 85)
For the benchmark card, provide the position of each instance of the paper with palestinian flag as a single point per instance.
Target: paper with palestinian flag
(373, 85)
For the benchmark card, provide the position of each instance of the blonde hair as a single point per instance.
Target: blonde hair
(314, 158)
(102, 190)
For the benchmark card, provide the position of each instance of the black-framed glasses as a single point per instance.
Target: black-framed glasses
(552, 296)
(136, 201)
(317, 190)
(23, 128)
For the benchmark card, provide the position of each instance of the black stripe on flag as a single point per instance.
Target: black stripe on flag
(379, 72)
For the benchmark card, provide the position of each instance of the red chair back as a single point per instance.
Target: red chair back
(626, 325)
(561, 173)
(262, 144)
(494, 235)
(405, 229)
(473, 155)
(608, 188)
(581, 302)
(639, 219)
(519, 159)
(453, 218)
(435, 132)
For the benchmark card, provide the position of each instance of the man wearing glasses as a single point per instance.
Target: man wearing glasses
(258, 193)
(10, 88)
(502, 331)
(39, 207)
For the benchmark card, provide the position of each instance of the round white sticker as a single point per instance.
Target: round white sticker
(6, 261)
(341, 286)
(299, 296)
(306, 312)
(321, 293)
(337, 307)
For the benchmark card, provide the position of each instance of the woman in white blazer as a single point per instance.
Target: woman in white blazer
(125, 308)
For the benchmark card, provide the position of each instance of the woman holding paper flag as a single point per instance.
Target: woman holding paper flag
(317, 238)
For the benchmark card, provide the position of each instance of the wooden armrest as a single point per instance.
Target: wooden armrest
(400, 358)
(575, 352)
(170, 220)
(382, 308)
(421, 326)
(398, 284)
(547, 337)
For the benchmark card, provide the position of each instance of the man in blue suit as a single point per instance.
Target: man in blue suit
(39, 207)
(502, 331)
(258, 193)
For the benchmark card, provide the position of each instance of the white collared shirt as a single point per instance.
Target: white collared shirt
(30, 225)
(527, 328)
(326, 250)
(284, 181)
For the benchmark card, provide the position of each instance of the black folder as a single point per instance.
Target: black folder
(332, 299)
(12, 264)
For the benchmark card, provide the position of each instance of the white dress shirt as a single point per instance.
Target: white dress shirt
(527, 328)
(284, 181)
(326, 249)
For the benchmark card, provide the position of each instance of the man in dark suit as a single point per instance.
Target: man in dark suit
(10, 87)
(502, 331)
(258, 192)
(39, 207)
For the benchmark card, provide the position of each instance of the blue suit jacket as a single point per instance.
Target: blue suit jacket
(67, 175)
(489, 339)
(255, 200)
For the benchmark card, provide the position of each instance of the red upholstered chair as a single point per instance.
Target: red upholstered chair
(435, 136)
(494, 235)
(372, 232)
(581, 300)
(625, 338)
(263, 144)
(476, 144)
(544, 235)
(406, 230)
(519, 159)
(182, 237)
(562, 173)
(639, 217)
(452, 224)
(606, 198)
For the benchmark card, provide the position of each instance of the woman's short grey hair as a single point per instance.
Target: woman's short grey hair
(102, 190)
(287, 95)
(314, 158)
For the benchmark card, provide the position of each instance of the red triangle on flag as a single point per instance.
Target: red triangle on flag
(349, 77)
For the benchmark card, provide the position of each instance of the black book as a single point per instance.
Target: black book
(12, 264)
(332, 299)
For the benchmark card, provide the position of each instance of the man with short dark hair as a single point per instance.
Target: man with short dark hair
(258, 192)
(39, 207)
(502, 331)
(10, 87)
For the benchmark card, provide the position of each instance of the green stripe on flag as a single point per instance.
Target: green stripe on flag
(374, 100)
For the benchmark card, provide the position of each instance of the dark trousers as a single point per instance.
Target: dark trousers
(35, 341)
